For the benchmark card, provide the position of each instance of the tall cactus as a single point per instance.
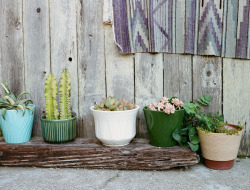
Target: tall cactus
(50, 92)
(64, 91)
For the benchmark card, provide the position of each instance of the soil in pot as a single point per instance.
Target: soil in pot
(161, 126)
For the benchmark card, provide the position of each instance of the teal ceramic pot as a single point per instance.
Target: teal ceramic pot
(161, 126)
(58, 131)
(17, 128)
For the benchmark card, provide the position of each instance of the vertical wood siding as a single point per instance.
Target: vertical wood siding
(39, 37)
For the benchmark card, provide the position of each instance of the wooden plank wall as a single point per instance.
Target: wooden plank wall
(43, 36)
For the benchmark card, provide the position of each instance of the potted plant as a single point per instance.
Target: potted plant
(115, 121)
(16, 116)
(163, 119)
(219, 141)
(58, 127)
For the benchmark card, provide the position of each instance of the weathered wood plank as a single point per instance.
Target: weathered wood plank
(180, 26)
(178, 76)
(12, 60)
(36, 54)
(91, 62)
(236, 94)
(148, 85)
(89, 153)
(207, 79)
(107, 12)
(64, 44)
(119, 69)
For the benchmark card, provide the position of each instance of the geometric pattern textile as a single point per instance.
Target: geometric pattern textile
(200, 27)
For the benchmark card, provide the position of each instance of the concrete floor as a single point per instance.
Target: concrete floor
(194, 177)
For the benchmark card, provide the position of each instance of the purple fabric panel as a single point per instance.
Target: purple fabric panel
(209, 32)
(121, 26)
(241, 48)
(190, 29)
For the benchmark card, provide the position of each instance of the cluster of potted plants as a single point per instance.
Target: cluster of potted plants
(169, 122)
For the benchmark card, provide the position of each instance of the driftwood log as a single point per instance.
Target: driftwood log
(90, 153)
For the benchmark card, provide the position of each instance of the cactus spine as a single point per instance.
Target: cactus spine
(64, 92)
(50, 92)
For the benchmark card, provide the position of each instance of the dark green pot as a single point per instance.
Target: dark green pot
(58, 131)
(161, 126)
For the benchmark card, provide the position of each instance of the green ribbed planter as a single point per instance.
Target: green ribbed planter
(58, 131)
(161, 126)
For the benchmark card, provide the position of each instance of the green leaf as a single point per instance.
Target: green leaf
(194, 147)
(176, 135)
(195, 139)
(22, 107)
(3, 112)
(30, 108)
(24, 101)
(21, 94)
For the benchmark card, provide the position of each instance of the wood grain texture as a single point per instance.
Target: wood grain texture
(119, 69)
(148, 85)
(64, 45)
(178, 76)
(91, 62)
(236, 94)
(207, 79)
(89, 153)
(107, 12)
(12, 60)
(37, 63)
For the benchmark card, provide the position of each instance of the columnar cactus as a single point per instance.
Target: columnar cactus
(50, 92)
(64, 92)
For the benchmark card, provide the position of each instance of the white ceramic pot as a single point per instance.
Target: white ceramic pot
(115, 128)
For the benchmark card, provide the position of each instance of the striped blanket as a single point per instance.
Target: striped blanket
(201, 27)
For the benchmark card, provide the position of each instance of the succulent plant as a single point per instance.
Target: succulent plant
(50, 91)
(10, 102)
(64, 92)
(113, 104)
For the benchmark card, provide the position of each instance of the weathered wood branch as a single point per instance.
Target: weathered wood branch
(90, 153)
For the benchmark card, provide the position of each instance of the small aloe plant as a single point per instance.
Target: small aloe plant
(10, 102)
(50, 91)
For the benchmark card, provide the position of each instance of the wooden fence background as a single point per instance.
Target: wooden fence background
(43, 36)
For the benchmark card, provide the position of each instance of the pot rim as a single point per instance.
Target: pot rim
(144, 108)
(58, 120)
(232, 125)
(33, 106)
(127, 111)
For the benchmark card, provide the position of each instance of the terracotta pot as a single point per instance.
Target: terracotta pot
(219, 149)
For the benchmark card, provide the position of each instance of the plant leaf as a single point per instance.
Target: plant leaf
(3, 112)
(21, 94)
(30, 108)
(194, 147)
(22, 107)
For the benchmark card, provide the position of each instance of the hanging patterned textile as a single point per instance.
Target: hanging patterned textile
(200, 27)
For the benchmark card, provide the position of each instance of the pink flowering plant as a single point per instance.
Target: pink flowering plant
(168, 105)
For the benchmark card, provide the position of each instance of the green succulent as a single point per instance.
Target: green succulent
(50, 92)
(10, 102)
(113, 104)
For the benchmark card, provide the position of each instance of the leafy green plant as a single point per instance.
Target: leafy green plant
(50, 92)
(10, 102)
(187, 136)
(113, 104)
